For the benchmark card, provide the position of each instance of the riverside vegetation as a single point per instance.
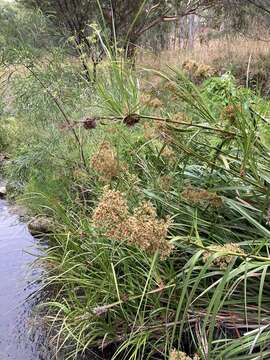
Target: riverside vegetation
(159, 200)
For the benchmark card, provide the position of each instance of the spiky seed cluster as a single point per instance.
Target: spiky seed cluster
(105, 162)
(142, 228)
(180, 355)
(226, 258)
(201, 196)
(149, 131)
(163, 131)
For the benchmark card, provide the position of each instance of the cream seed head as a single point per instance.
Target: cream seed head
(141, 228)
(227, 254)
(105, 162)
(180, 355)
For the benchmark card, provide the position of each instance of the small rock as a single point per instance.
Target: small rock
(3, 191)
(40, 225)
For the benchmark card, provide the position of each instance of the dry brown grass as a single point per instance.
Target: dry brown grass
(237, 49)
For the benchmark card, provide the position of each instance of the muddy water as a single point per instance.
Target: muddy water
(17, 284)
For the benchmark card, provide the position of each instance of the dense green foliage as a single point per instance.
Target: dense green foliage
(193, 158)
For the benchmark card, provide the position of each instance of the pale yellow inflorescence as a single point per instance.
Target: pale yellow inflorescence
(142, 228)
(226, 258)
(180, 355)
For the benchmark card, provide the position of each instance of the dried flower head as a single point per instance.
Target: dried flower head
(202, 196)
(100, 310)
(145, 99)
(111, 212)
(148, 232)
(180, 355)
(157, 129)
(105, 162)
(204, 71)
(131, 119)
(168, 154)
(171, 86)
(190, 66)
(155, 103)
(89, 123)
(226, 256)
(142, 228)
(230, 112)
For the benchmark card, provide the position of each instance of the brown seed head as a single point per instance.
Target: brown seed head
(105, 162)
(201, 196)
(142, 228)
(89, 123)
(131, 120)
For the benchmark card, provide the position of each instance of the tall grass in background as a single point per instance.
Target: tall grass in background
(191, 157)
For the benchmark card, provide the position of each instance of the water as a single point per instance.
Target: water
(16, 285)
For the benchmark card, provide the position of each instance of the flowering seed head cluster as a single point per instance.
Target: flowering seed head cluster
(198, 71)
(105, 162)
(204, 71)
(168, 154)
(190, 66)
(110, 214)
(225, 259)
(145, 99)
(201, 196)
(230, 113)
(171, 86)
(155, 103)
(142, 228)
(180, 355)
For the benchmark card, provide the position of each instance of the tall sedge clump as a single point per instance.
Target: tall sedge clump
(142, 228)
